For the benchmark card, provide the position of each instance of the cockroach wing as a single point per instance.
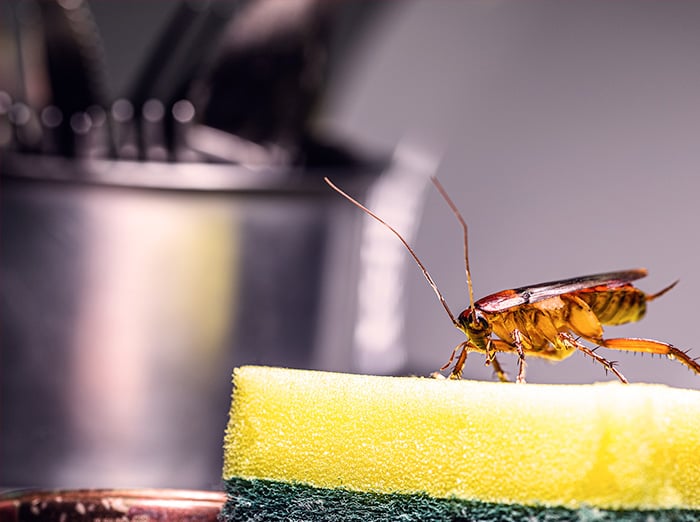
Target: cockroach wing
(506, 299)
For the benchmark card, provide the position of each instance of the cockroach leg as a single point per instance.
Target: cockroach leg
(518, 342)
(461, 359)
(498, 370)
(463, 349)
(569, 340)
(653, 347)
(452, 357)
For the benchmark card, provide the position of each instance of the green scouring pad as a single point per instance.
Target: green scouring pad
(307, 445)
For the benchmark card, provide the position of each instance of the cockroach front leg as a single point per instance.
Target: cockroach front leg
(569, 340)
(463, 349)
(651, 346)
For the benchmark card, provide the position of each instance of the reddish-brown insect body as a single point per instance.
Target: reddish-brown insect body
(546, 320)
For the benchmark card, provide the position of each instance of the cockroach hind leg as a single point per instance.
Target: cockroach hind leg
(653, 347)
(609, 366)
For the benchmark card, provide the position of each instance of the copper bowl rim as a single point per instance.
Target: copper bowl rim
(123, 504)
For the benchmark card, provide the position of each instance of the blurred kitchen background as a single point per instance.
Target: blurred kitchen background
(163, 215)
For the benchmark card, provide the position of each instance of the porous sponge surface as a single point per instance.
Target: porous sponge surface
(608, 445)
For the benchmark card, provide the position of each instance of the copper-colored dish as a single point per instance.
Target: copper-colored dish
(114, 505)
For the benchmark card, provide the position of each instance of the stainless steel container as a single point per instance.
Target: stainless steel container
(129, 292)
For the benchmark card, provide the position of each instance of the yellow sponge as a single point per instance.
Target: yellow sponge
(609, 445)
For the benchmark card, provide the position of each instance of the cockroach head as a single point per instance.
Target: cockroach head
(474, 324)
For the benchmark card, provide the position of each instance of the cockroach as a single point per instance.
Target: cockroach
(546, 320)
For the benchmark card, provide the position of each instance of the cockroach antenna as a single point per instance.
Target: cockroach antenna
(434, 286)
(463, 224)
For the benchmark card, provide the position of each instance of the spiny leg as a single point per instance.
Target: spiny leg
(571, 341)
(651, 346)
(518, 342)
(499, 345)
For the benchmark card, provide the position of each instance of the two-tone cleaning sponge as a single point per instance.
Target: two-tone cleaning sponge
(305, 445)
